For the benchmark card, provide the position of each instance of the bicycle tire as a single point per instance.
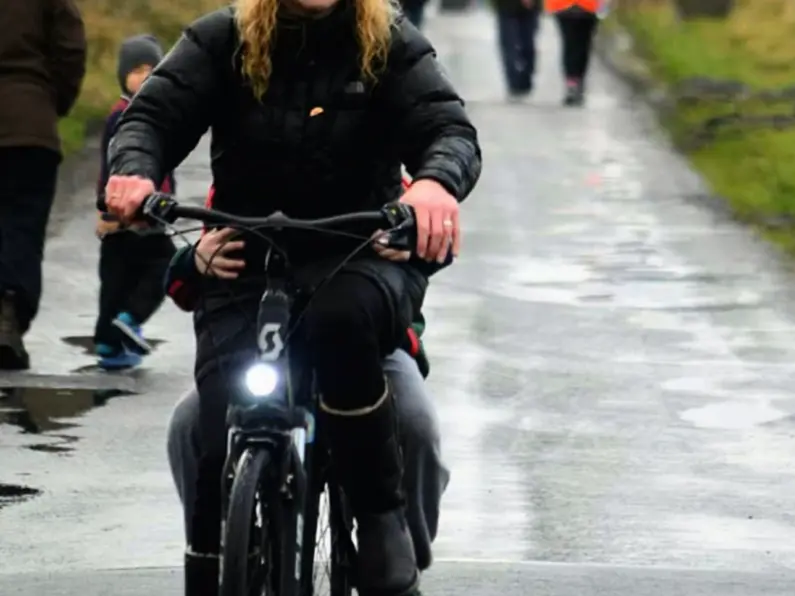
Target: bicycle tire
(236, 551)
(336, 565)
(343, 553)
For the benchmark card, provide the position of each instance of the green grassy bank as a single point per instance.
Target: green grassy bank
(755, 169)
(108, 22)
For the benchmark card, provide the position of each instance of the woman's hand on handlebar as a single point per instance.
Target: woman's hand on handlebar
(125, 194)
(436, 213)
(211, 254)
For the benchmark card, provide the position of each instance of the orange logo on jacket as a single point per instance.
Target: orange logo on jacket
(560, 5)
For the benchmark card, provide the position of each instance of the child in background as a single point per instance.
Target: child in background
(133, 259)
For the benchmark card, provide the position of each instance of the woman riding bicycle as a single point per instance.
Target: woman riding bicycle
(313, 106)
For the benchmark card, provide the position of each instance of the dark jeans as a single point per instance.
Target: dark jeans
(517, 31)
(132, 272)
(353, 322)
(577, 32)
(27, 187)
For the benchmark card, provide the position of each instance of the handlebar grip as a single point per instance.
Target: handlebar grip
(398, 214)
(158, 208)
(400, 218)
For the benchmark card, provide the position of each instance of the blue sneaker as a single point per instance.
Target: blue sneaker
(133, 335)
(103, 350)
(120, 360)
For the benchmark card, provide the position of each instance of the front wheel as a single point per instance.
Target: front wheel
(250, 546)
(329, 554)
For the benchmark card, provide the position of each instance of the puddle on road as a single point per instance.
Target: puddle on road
(733, 415)
(50, 411)
(11, 494)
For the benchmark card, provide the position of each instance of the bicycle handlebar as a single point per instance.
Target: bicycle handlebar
(160, 207)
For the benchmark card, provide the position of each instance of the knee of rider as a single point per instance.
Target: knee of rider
(341, 330)
(214, 395)
(421, 439)
(420, 431)
(184, 418)
(183, 429)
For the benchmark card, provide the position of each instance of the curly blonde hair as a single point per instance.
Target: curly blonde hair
(256, 23)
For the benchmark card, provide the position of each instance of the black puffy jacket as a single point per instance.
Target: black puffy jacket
(280, 153)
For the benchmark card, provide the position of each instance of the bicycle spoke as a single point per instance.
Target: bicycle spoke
(260, 581)
(322, 570)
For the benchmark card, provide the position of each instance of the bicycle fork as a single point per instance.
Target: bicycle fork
(301, 436)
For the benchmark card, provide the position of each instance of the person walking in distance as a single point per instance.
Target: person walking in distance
(577, 21)
(133, 259)
(42, 63)
(517, 24)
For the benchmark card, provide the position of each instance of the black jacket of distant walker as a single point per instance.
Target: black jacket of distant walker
(322, 141)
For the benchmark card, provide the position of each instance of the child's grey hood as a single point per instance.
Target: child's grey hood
(137, 51)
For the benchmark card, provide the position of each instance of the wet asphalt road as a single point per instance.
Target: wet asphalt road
(612, 363)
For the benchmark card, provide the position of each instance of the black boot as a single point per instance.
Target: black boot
(368, 462)
(387, 564)
(201, 574)
(13, 355)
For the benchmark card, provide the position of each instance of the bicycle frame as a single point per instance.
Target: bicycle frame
(281, 422)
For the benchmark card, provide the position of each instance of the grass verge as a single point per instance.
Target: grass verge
(108, 22)
(754, 170)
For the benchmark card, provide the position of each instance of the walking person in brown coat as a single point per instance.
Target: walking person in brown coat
(42, 63)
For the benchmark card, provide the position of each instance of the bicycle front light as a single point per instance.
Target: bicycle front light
(262, 379)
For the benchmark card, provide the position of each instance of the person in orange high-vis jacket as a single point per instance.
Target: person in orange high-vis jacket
(577, 21)
(556, 6)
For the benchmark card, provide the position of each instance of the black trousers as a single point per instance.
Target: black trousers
(27, 187)
(517, 32)
(577, 32)
(132, 273)
(350, 325)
